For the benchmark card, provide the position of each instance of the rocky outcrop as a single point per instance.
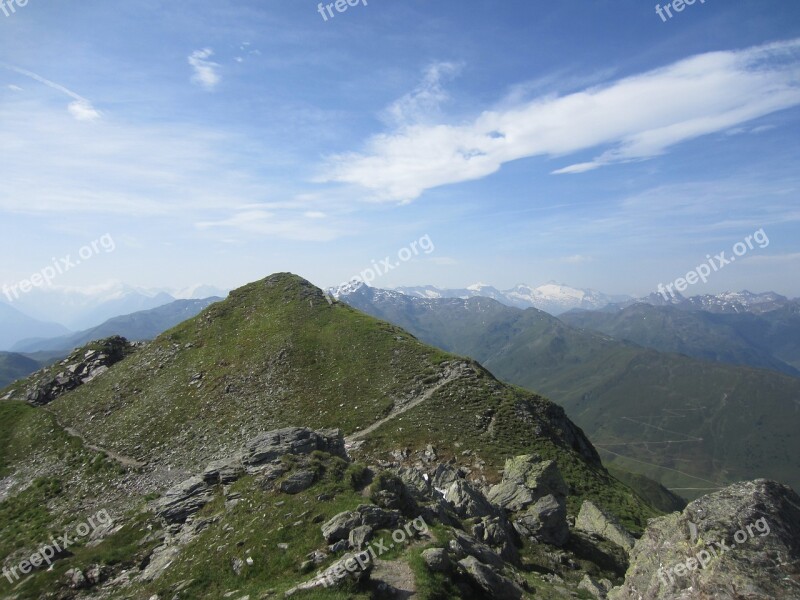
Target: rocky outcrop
(79, 368)
(184, 500)
(468, 502)
(593, 519)
(271, 445)
(545, 521)
(741, 542)
(489, 581)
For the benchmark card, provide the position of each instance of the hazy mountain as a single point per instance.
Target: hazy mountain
(731, 338)
(142, 325)
(690, 424)
(15, 366)
(551, 297)
(16, 326)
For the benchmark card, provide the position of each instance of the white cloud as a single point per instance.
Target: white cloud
(639, 117)
(206, 72)
(423, 103)
(81, 108)
(14, 88)
(287, 226)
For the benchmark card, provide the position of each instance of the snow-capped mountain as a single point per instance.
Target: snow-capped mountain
(552, 297)
(738, 302)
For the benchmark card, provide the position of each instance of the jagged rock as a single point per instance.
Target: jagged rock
(340, 526)
(545, 521)
(469, 502)
(436, 559)
(493, 584)
(753, 529)
(415, 481)
(298, 482)
(497, 533)
(75, 579)
(225, 471)
(359, 536)
(80, 368)
(271, 445)
(526, 479)
(597, 588)
(184, 500)
(592, 519)
(95, 574)
(465, 545)
(237, 564)
(377, 517)
(388, 491)
(444, 476)
(351, 567)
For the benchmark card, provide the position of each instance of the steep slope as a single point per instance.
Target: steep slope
(691, 425)
(727, 338)
(138, 326)
(16, 326)
(15, 366)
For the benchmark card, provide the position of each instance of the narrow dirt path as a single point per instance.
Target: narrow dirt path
(394, 414)
(393, 579)
(123, 460)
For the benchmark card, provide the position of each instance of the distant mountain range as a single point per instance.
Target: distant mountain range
(551, 297)
(690, 424)
(15, 326)
(138, 326)
(82, 308)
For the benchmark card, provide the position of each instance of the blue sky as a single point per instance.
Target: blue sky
(585, 142)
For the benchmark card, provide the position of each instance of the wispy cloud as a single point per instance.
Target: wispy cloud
(639, 117)
(80, 108)
(424, 102)
(206, 72)
(286, 226)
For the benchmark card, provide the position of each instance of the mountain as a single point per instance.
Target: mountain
(15, 366)
(735, 338)
(216, 452)
(142, 325)
(691, 425)
(81, 308)
(16, 326)
(552, 297)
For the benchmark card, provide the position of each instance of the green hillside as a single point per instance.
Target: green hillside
(14, 366)
(692, 425)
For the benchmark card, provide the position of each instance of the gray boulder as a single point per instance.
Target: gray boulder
(526, 479)
(740, 542)
(340, 526)
(270, 445)
(184, 500)
(297, 482)
(545, 521)
(489, 581)
(359, 536)
(436, 560)
(465, 545)
(224, 471)
(593, 519)
(469, 502)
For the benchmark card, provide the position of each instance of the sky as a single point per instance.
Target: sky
(596, 144)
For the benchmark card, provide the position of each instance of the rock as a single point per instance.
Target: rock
(436, 559)
(753, 529)
(526, 479)
(271, 445)
(497, 533)
(360, 536)
(469, 502)
(340, 526)
(415, 481)
(592, 519)
(75, 579)
(297, 482)
(237, 564)
(340, 546)
(184, 500)
(545, 521)
(224, 471)
(95, 574)
(597, 588)
(444, 476)
(489, 581)
(377, 517)
(466, 545)
(351, 567)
